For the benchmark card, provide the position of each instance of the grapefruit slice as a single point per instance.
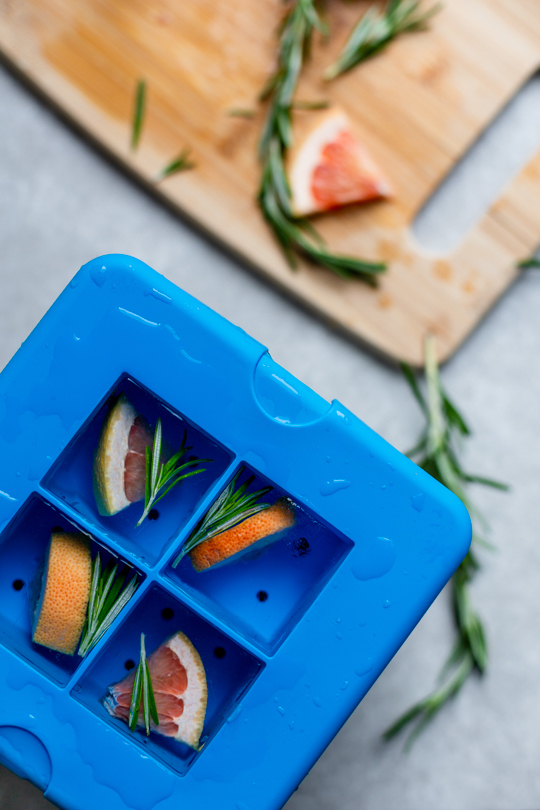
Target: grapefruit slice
(61, 608)
(252, 535)
(120, 460)
(328, 167)
(180, 691)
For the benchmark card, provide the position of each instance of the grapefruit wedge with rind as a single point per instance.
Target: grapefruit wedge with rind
(251, 536)
(65, 590)
(329, 167)
(180, 691)
(120, 460)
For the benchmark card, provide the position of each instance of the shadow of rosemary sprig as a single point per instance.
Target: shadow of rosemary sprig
(295, 235)
(375, 30)
(233, 506)
(109, 594)
(142, 693)
(437, 452)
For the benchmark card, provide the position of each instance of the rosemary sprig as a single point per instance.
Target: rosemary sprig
(233, 506)
(108, 597)
(375, 30)
(143, 692)
(437, 453)
(296, 236)
(139, 110)
(529, 263)
(181, 163)
(161, 477)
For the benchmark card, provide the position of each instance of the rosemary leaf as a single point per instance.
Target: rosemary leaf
(231, 507)
(375, 31)
(143, 692)
(296, 236)
(181, 163)
(310, 105)
(240, 112)
(138, 114)
(161, 477)
(108, 597)
(437, 453)
(526, 264)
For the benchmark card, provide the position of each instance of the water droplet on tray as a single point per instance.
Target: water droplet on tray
(98, 275)
(374, 559)
(418, 501)
(166, 299)
(365, 666)
(331, 487)
(317, 701)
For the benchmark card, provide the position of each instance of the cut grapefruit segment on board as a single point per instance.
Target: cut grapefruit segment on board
(328, 167)
(120, 460)
(253, 534)
(61, 608)
(180, 691)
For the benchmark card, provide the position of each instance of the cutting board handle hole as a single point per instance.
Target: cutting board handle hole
(476, 181)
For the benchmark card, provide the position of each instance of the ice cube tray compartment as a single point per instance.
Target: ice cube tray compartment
(71, 477)
(265, 593)
(23, 546)
(230, 671)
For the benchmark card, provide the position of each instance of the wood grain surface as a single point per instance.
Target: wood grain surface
(418, 107)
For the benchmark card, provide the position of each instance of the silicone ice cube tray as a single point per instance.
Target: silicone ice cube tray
(291, 640)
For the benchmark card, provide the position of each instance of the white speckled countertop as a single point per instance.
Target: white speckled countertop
(61, 203)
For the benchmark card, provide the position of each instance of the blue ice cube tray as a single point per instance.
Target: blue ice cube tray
(291, 639)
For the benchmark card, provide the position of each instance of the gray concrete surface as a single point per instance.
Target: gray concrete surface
(61, 204)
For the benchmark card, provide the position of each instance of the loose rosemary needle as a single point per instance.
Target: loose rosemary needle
(161, 477)
(139, 110)
(232, 507)
(375, 30)
(526, 264)
(181, 163)
(143, 692)
(296, 236)
(437, 453)
(108, 597)
(241, 112)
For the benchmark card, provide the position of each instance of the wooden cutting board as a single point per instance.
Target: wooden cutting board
(418, 107)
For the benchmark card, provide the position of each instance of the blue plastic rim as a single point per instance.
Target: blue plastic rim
(375, 541)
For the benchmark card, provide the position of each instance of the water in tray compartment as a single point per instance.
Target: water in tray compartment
(23, 546)
(71, 477)
(230, 671)
(264, 593)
